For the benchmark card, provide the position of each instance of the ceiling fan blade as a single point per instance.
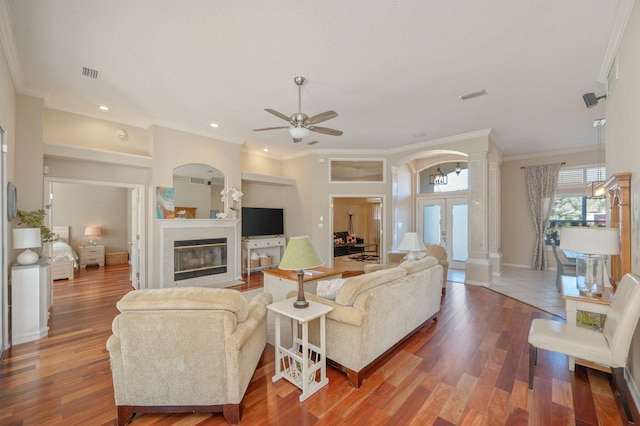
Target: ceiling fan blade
(271, 128)
(325, 130)
(296, 140)
(323, 116)
(278, 114)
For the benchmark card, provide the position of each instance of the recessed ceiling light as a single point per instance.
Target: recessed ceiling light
(266, 150)
(103, 108)
(472, 95)
(214, 125)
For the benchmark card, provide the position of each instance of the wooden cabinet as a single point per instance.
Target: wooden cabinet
(30, 301)
(91, 255)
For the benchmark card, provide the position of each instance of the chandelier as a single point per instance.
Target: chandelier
(595, 188)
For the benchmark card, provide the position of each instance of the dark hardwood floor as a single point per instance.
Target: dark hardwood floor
(469, 367)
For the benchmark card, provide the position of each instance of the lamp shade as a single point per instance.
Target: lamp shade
(92, 231)
(299, 132)
(605, 241)
(411, 242)
(26, 238)
(300, 254)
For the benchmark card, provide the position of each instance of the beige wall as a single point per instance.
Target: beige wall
(78, 130)
(517, 230)
(82, 205)
(29, 128)
(623, 148)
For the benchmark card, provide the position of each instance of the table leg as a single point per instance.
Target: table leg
(305, 361)
(278, 366)
(571, 309)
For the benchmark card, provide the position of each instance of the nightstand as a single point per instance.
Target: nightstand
(91, 255)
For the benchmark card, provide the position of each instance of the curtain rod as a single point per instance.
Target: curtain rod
(562, 164)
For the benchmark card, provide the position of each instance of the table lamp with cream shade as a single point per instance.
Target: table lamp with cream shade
(411, 243)
(299, 255)
(27, 238)
(592, 244)
(93, 232)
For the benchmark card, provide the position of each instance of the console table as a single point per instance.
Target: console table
(274, 247)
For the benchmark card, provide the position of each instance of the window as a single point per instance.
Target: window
(456, 181)
(575, 211)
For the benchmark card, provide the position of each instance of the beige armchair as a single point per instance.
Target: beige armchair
(433, 250)
(185, 349)
(609, 347)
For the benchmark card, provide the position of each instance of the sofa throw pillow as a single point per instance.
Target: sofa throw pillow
(351, 238)
(328, 289)
(338, 241)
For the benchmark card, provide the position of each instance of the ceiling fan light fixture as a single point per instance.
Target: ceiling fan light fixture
(298, 132)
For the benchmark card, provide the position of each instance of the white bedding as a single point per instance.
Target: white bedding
(62, 251)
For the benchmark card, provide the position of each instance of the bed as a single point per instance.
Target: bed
(63, 258)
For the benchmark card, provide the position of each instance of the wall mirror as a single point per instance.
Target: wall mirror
(197, 191)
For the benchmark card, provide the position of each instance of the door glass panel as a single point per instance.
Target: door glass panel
(431, 224)
(460, 232)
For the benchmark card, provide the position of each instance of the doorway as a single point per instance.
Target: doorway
(362, 217)
(445, 222)
(125, 219)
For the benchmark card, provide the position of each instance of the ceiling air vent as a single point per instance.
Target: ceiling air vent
(88, 72)
(198, 181)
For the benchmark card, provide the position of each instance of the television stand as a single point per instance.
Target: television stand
(273, 247)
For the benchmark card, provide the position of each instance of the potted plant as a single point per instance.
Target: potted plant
(236, 195)
(34, 219)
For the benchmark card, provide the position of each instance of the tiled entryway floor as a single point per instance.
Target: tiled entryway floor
(535, 288)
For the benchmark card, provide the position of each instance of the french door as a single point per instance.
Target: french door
(445, 222)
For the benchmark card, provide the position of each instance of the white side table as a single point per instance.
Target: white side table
(300, 363)
(574, 301)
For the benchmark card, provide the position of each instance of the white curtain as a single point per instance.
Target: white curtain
(542, 182)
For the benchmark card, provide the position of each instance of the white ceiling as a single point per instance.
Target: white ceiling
(392, 69)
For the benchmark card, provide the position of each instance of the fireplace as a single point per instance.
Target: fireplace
(199, 258)
(200, 252)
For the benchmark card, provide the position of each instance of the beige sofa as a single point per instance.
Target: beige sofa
(185, 349)
(374, 312)
(433, 250)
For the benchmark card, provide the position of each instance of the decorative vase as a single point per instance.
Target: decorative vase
(234, 214)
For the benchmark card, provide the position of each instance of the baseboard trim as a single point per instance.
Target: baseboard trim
(633, 388)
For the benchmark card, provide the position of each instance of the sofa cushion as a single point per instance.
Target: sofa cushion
(355, 285)
(186, 298)
(413, 266)
(328, 289)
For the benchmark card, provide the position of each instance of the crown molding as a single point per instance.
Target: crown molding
(622, 17)
(591, 148)
(9, 45)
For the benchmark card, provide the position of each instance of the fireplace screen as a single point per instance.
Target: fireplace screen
(198, 258)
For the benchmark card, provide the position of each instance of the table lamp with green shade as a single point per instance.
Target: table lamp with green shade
(299, 255)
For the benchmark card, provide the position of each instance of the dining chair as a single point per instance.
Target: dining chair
(563, 265)
(608, 347)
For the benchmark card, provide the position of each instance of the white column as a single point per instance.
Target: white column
(495, 220)
(478, 269)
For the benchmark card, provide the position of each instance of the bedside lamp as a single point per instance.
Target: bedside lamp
(591, 243)
(27, 238)
(299, 255)
(412, 244)
(93, 232)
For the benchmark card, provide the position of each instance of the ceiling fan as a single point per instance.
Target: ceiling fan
(301, 123)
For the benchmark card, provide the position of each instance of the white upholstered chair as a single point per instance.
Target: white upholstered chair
(185, 349)
(609, 347)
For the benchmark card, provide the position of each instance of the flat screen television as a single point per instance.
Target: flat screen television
(262, 221)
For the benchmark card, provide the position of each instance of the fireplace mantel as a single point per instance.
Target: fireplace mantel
(172, 230)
